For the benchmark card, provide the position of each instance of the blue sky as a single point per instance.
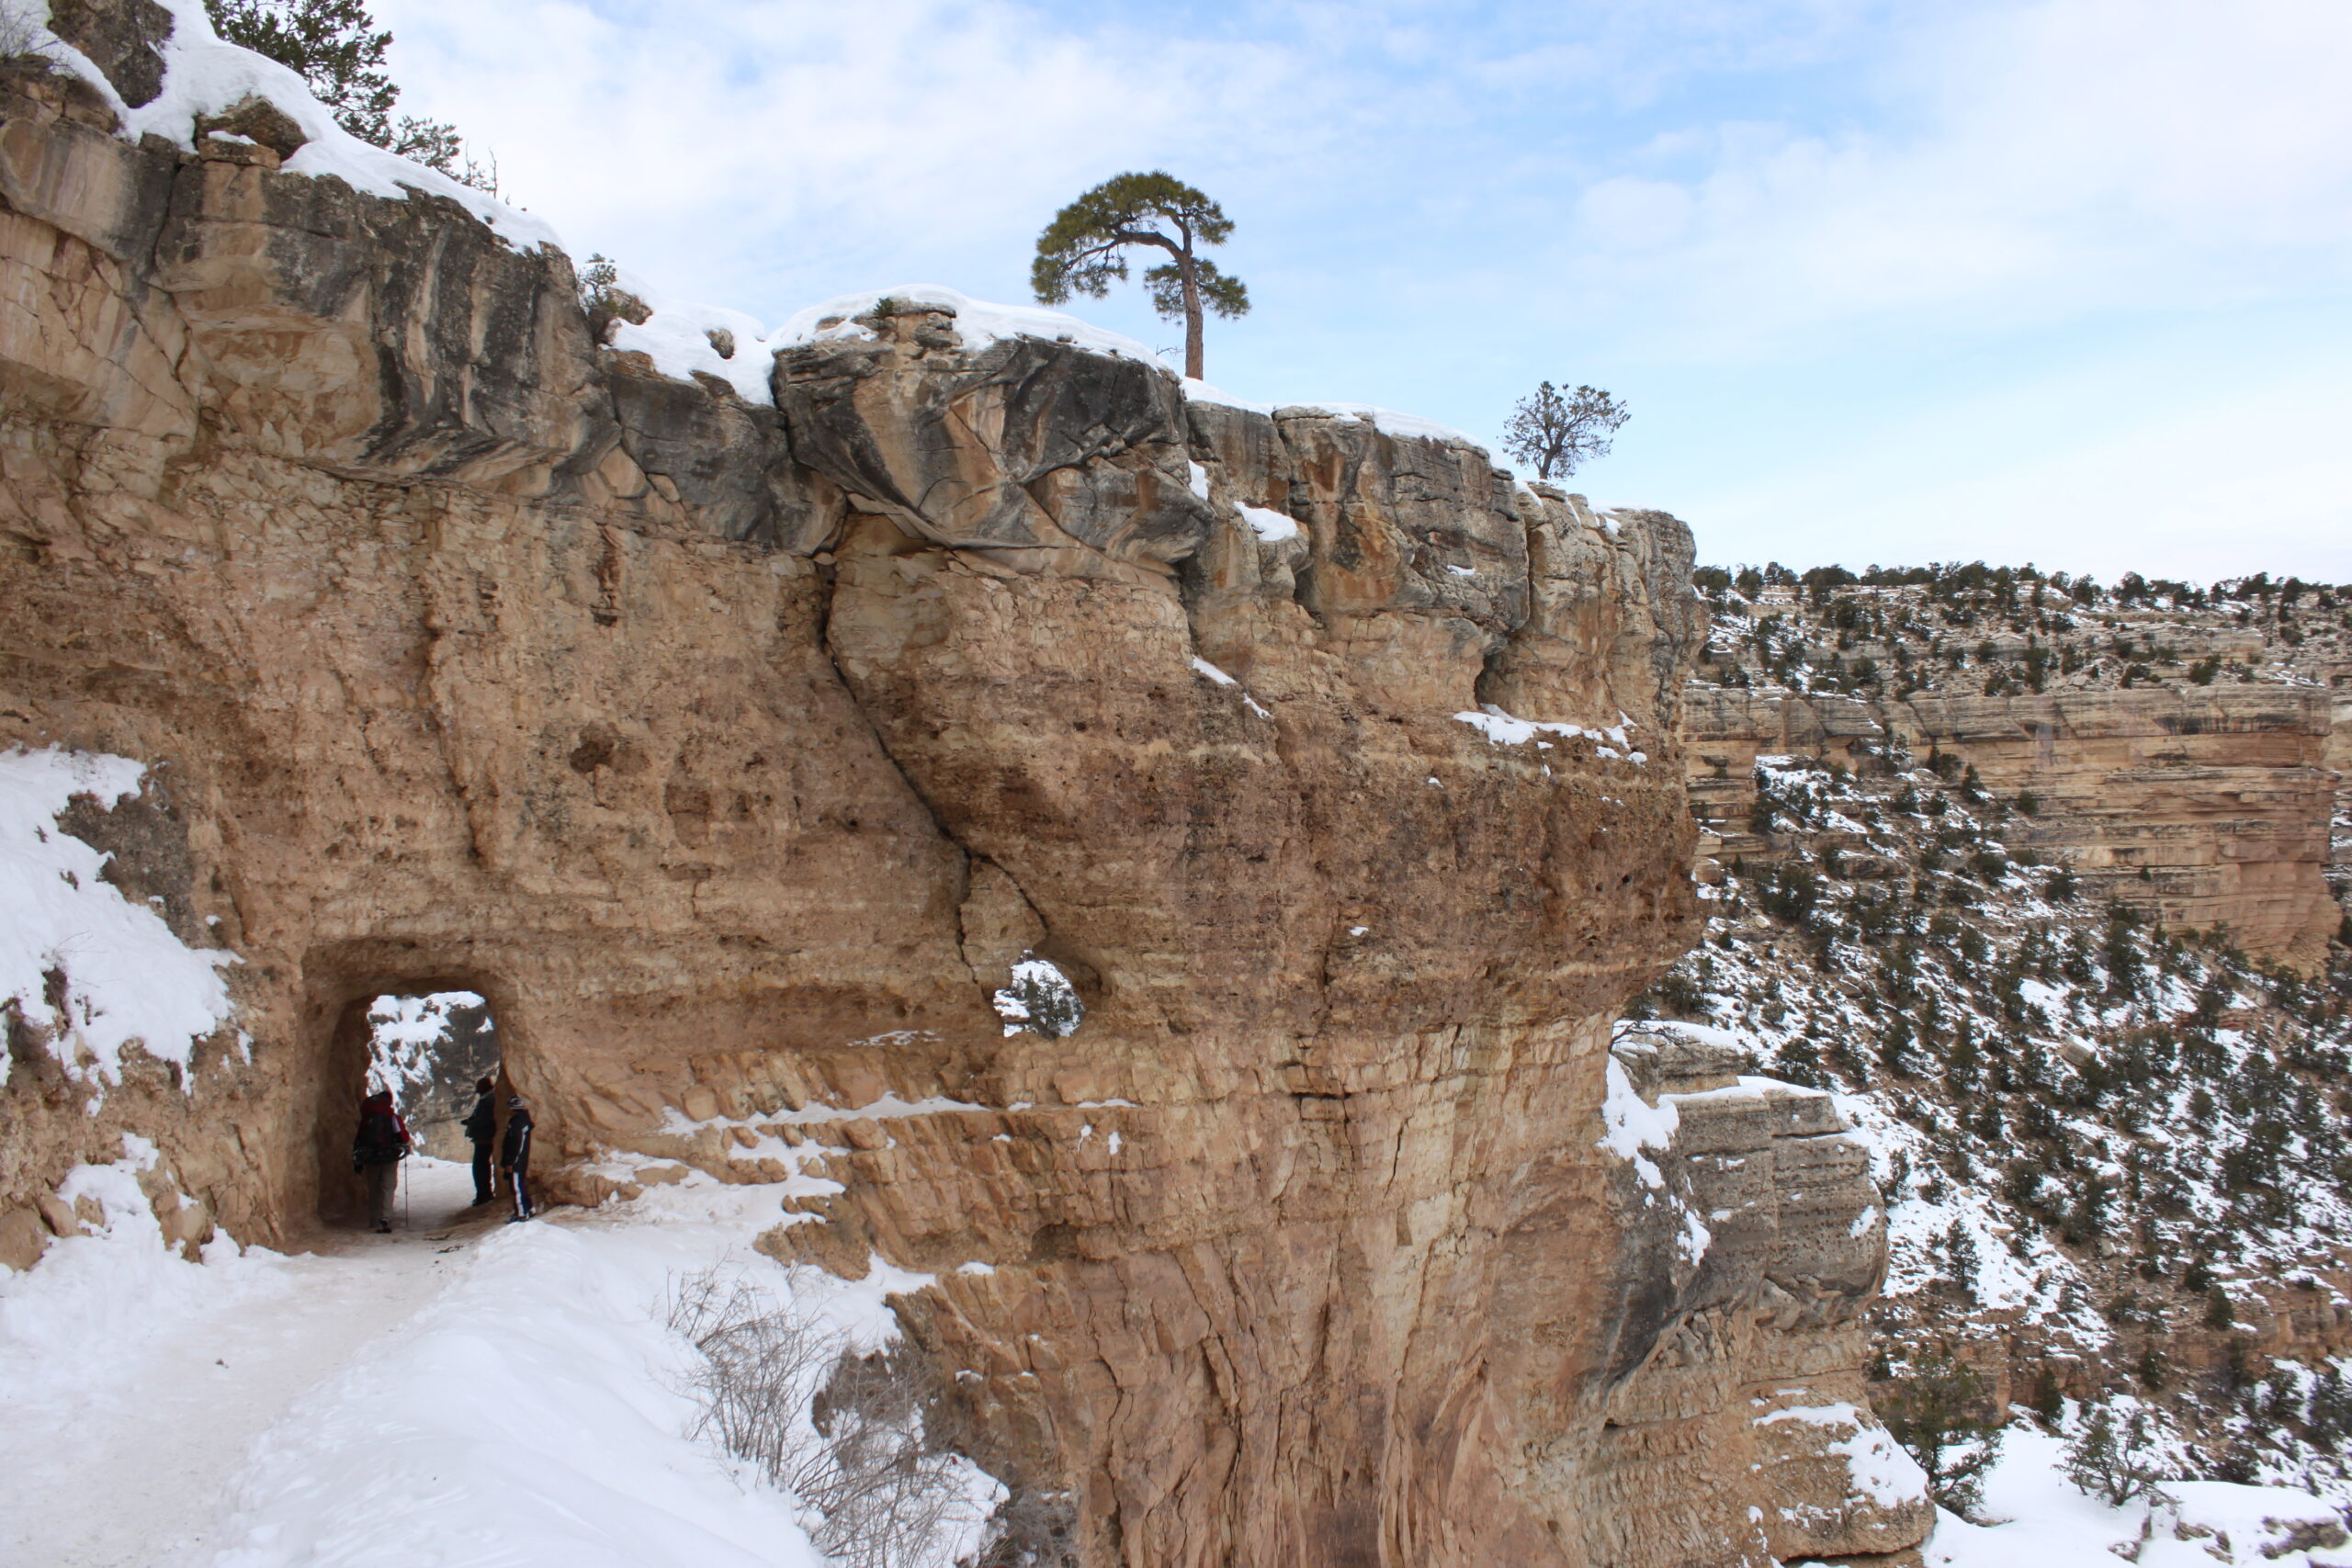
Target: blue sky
(2067, 280)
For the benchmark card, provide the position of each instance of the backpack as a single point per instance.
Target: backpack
(379, 1141)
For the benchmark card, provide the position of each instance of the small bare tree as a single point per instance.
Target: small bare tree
(887, 1500)
(760, 1369)
(841, 1433)
(21, 39)
(1558, 431)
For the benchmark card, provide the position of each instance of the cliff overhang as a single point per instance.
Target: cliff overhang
(736, 749)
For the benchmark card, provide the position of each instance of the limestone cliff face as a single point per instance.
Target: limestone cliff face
(733, 752)
(2339, 758)
(2208, 804)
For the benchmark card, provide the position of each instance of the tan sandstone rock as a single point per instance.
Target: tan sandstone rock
(732, 753)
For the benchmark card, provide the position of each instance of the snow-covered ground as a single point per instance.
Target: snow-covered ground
(2043, 1522)
(133, 1384)
(462, 1392)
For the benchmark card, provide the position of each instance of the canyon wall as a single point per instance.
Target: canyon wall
(2211, 804)
(2339, 758)
(734, 749)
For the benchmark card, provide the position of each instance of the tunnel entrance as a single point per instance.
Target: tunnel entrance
(427, 1049)
(430, 1051)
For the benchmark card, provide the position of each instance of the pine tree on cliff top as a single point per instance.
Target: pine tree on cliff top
(1084, 249)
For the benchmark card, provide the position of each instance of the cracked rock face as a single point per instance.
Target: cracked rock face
(736, 754)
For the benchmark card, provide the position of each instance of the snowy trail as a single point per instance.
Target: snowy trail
(471, 1395)
(131, 1462)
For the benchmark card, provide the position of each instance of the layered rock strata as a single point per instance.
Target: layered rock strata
(2210, 805)
(733, 752)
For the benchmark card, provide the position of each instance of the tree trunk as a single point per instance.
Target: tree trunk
(1193, 357)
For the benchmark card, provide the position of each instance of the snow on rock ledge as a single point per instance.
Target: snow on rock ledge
(205, 76)
(89, 971)
(684, 339)
(978, 322)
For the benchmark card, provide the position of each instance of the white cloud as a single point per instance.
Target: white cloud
(1636, 214)
(798, 144)
(2030, 162)
(1439, 204)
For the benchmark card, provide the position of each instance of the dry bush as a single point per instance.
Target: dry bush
(841, 1433)
(22, 40)
(1032, 1529)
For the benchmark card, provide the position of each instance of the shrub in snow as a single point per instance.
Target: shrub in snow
(1957, 1249)
(1681, 992)
(843, 1433)
(607, 302)
(1937, 1410)
(2048, 1401)
(20, 37)
(1033, 1529)
(339, 50)
(2114, 1462)
(1040, 999)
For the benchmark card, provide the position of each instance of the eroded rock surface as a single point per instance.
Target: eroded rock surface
(733, 753)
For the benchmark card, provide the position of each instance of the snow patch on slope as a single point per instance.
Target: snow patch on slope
(119, 974)
(1502, 728)
(405, 1038)
(540, 1404)
(535, 1411)
(1881, 1471)
(2041, 1521)
(1388, 422)
(1634, 1125)
(1204, 668)
(1271, 526)
(98, 1297)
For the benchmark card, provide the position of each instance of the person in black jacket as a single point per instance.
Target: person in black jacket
(377, 1151)
(514, 1156)
(481, 1131)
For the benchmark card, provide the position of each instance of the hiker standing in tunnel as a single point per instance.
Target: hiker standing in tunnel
(382, 1143)
(514, 1156)
(481, 1131)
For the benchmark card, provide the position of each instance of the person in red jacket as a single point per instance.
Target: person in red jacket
(376, 1154)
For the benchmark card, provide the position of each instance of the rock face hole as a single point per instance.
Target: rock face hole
(428, 1044)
